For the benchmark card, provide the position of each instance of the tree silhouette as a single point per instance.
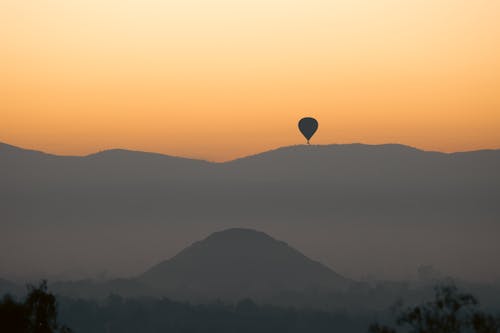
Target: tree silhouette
(37, 314)
(449, 312)
(13, 316)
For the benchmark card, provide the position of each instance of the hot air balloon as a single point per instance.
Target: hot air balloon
(308, 127)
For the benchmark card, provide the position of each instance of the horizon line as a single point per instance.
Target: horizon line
(246, 156)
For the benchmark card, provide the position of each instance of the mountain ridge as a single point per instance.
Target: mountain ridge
(311, 195)
(291, 148)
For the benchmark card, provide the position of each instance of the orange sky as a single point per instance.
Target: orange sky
(217, 79)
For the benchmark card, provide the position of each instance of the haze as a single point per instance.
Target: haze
(362, 210)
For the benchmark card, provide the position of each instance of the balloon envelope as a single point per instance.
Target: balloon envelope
(308, 127)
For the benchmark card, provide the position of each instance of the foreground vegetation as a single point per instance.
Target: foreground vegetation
(449, 312)
(37, 313)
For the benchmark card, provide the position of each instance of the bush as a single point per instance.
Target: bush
(36, 314)
(450, 312)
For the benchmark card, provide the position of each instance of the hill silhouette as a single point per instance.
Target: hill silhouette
(377, 203)
(238, 263)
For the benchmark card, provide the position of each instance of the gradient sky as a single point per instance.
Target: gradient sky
(218, 79)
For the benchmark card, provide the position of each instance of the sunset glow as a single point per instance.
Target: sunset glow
(219, 79)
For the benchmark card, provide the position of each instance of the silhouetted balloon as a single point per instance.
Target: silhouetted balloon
(308, 127)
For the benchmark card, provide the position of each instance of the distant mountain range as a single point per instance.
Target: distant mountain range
(364, 209)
